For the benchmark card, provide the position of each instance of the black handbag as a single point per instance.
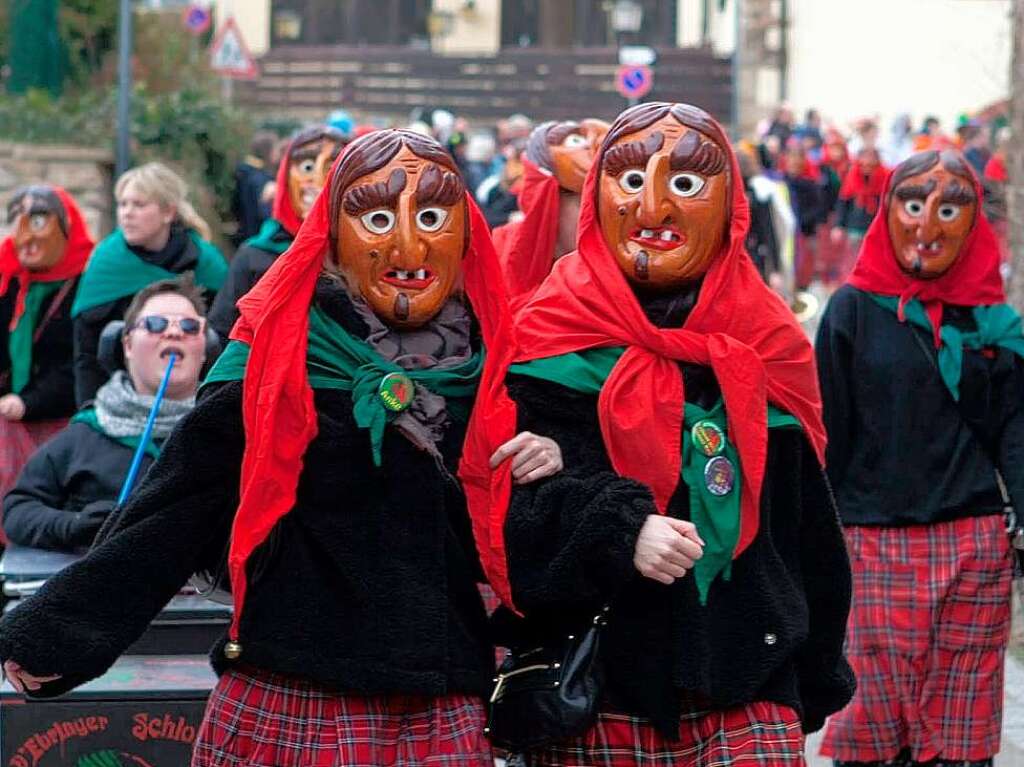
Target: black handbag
(550, 693)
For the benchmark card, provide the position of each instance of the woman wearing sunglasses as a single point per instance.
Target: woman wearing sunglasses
(70, 485)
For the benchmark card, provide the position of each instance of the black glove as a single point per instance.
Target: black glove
(88, 521)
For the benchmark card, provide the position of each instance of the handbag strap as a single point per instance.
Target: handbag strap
(53, 308)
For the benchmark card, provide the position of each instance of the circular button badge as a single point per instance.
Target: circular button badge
(719, 476)
(708, 437)
(396, 391)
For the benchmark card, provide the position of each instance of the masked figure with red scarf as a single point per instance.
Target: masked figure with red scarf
(859, 197)
(323, 448)
(921, 375)
(693, 502)
(39, 267)
(557, 158)
(300, 177)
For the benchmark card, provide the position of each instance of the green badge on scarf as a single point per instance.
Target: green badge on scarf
(396, 391)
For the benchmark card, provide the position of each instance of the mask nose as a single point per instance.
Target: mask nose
(410, 249)
(654, 208)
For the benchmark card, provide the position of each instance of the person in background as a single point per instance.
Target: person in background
(301, 175)
(498, 195)
(859, 198)
(930, 136)
(900, 144)
(976, 149)
(40, 263)
(810, 132)
(806, 195)
(159, 235)
(70, 485)
(252, 175)
(477, 159)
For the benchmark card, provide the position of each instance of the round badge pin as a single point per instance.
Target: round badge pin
(708, 437)
(396, 391)
(719, 476)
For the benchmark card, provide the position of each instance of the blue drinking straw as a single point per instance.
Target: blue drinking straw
(133, 472)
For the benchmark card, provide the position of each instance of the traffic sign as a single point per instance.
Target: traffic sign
(637, 55)
(634, 82)
(230, 56)
(197, 18)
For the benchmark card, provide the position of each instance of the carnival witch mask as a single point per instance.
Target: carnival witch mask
(312, 153)
(663, 197)
(566, 150)
(398, 216)
(932, 207)
(40, 227)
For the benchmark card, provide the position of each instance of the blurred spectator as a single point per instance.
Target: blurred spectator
(900, 144)
(781, 125)
(976, 148)
(769, 239)
(252, 176)
(930, 136)
(803, 179)
(497, 194)
(159, 236)
(71, 484)
(865, 135)
(810, 132)
(478, 159)
(859, 198)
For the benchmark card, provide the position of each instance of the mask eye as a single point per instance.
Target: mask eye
(379, 221)
(914, 207)
(575, 141)
(431, 219)
(686, 184)
(948, 212)
(632, 181)
(307, 166)
(37, 221)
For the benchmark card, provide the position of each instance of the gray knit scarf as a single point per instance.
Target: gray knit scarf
(122, 412)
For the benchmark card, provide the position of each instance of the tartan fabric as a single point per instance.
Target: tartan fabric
(18, 440)
(761, 733)
(260, 719)
(928, 631)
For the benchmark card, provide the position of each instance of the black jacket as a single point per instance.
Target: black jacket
(807, 199)
(773, 632)
(901, 450)
(369, 584)
(49, 392)
(178, 256)
(247, 266)
(67, 489)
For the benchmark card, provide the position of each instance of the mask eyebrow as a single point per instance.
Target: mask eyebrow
(693, 153)
(958, 194)
(443, 188)
(634, 154)
(915, 191)
(359, 199)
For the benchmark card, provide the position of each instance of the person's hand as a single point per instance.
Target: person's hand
(21, 680)
(777, 283)
(12, 407)
(88, 522)
(667, 548)
(836, 235)
(532, 457)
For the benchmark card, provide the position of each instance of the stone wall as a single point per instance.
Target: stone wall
(86, 173)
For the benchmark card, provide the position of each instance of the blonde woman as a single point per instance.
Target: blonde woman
(159, 235)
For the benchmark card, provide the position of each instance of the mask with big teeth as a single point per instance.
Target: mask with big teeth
(39, 223)
(663, 199)
(310, 161)
(401, 235)
(931, 211)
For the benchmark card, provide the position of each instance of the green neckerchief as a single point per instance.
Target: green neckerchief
(267, 238)
(337, 360)
(115, 272)
(90, 419)
(998, 325)
(19, 341)
(717, 517)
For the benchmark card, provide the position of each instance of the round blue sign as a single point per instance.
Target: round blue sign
(634, 81)
(197, 19)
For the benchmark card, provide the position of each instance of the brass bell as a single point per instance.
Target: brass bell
(232, 650)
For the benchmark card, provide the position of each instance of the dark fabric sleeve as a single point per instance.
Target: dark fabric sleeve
(33, 508)
(1009, 452)
(570, 538)
(89, 373)
(844, 210)
(84, 617)
(834, 350)
(222, 314)
(826, 679)
(50, 392)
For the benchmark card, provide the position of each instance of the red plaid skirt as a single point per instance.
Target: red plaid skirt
(18, 440)
(928, 631)
(260, 719)
(762, 734)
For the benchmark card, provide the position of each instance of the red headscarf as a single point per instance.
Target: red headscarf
(76, 254)
(995, 168)
(283, 212)
(865, 193)
(739, 327)
(278, 412)
(842, 167)
(972, 280)
(526, 248)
